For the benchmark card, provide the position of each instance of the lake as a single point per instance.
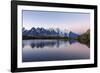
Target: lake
(53, 50)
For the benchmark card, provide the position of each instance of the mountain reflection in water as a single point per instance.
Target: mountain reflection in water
(44, 43)
(51, 50)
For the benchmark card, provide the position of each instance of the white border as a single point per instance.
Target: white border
(52, 63)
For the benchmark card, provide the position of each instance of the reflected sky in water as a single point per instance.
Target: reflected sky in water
(52, 50)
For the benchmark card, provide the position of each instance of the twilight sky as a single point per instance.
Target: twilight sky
(76, 22)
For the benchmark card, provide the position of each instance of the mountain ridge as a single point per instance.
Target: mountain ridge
(41, 32)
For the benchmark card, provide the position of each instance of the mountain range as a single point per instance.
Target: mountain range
(42, 32)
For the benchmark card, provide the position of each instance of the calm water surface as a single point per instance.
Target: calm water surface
(51, 50)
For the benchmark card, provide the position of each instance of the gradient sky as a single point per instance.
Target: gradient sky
(76, 22)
